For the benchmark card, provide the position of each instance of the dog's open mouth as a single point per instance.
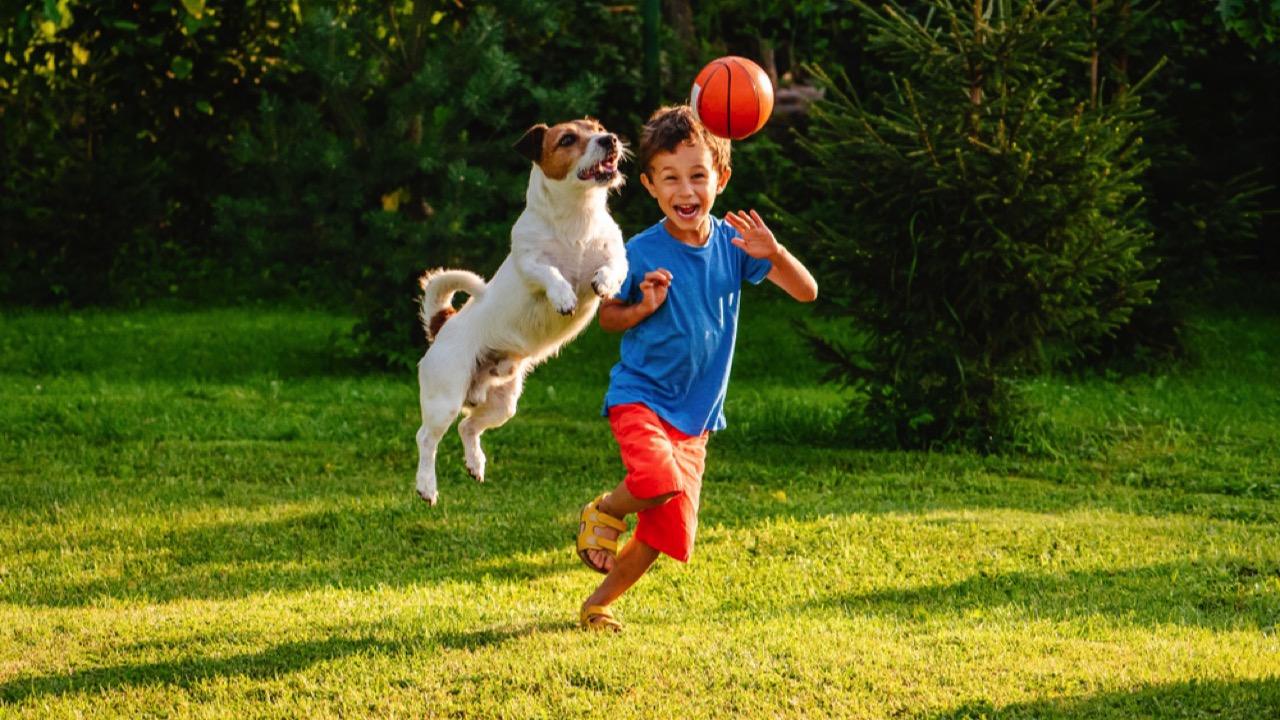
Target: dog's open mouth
(602, 171)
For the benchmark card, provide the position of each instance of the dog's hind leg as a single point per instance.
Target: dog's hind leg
(441, 392)
(499, 406)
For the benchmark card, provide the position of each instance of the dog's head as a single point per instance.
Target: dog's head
(579, 151)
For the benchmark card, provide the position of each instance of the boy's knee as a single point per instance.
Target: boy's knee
(619, 506)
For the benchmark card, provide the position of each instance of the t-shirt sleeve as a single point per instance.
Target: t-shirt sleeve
(630, 290)
(755, 269)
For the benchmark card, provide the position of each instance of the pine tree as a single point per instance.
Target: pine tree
(977, 215)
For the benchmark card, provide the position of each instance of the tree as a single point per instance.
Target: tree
(387, 150)
(1256, 21)
(977, 217)
(115, 124)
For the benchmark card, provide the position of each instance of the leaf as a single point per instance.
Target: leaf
(181, 67)
(195, 7)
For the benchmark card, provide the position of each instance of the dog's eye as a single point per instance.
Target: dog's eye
(568, 140)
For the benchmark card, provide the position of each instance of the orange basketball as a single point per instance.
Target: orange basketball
(732, 97)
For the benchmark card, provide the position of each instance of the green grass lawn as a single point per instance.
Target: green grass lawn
(208, 514)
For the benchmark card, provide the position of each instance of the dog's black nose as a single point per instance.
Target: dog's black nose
(608, 142)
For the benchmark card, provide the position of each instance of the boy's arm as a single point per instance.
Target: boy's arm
(792, 276)
(619, 315)
(757, 240)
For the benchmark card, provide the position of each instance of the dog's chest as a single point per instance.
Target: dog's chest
(578, 249)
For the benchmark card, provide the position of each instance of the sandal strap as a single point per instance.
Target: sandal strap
(595, 542)
(592, 518)
(593, 514)
(594, 616)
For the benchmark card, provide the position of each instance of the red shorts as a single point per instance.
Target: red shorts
(659, 460)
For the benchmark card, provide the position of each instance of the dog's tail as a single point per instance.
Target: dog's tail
(438, 288)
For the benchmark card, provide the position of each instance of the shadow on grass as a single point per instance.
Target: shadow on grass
(190, 671)
(355, 536)
(1220, 596)
(272, 662)
(862, 481)
(399, 545)
(206, 345)
(1236, 700)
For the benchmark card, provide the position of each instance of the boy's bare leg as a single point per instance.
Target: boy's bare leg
(634, 560)
(621, 503)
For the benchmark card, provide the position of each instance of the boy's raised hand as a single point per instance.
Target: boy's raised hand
(756, 239)
(654, 289)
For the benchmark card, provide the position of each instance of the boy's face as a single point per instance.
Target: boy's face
(685, 184)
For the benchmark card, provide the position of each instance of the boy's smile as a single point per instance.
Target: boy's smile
(685, 184)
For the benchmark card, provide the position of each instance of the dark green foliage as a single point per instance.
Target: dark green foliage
(331, 150)
(1256, 21)
(399, 158)
(1215, 161)
(114, 120)
(976, 220)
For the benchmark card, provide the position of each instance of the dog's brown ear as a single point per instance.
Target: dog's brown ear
(530, 145)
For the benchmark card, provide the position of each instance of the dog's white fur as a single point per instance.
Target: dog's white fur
(566, 254)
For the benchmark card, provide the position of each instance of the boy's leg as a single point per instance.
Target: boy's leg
(621, 503)
(633, 561)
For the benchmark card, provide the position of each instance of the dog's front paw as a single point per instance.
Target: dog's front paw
(605, 284)
(563, 299)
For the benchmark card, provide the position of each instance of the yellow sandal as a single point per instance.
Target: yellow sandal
(593, 517)
(598, 617)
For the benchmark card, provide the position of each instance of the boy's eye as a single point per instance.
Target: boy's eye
(568, 140)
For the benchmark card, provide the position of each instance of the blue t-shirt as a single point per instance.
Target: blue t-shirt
(677, 360)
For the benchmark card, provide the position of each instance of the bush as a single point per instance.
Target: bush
(114, 119)
(977, 217)
(396, 157)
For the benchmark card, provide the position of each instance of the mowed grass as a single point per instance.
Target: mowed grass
(210, 515)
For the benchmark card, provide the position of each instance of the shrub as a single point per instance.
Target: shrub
(396, 157)
(113, 126)
(976, 217)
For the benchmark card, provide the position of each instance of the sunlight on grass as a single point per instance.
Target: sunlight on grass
(238, 537)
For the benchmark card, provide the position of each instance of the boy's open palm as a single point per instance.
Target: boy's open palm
(756, 239)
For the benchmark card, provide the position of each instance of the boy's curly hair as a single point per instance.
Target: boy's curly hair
(673, 125)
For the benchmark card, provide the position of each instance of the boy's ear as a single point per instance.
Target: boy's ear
(647, 183)
(530, 145)
(722, 180)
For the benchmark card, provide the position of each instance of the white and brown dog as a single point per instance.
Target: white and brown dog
(566, 254)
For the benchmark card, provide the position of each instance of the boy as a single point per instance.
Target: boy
(679, 311)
